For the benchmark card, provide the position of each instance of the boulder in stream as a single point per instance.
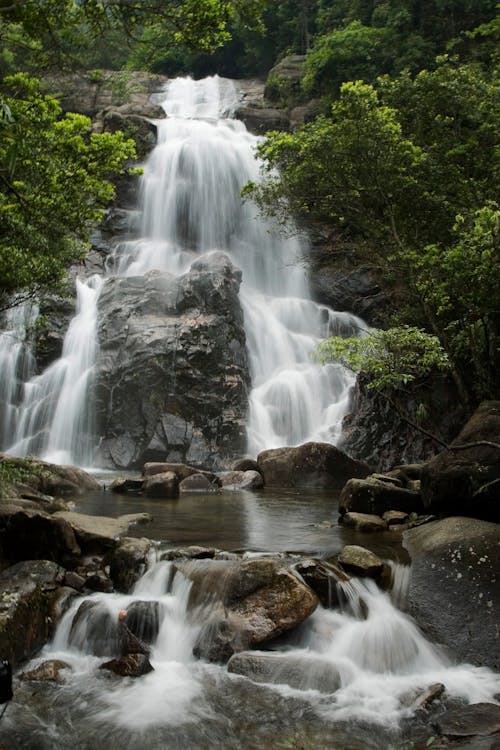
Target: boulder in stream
(128, 562)
(131, 665)
(454, 593)
(360, 561)
(300, 672)
(27, 534)
(161, 486)
(311, 465)
(376, 496)
(26, 593)
(465, 481)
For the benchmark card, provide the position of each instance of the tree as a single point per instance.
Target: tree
(55, 179)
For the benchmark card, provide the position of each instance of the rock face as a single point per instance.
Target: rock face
(26, 590)
(467, 481)
(454, 593)
(317, 465)
(172, 378)
(376, 496)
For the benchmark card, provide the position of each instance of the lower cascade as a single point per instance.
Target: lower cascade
(364, 662)
(167, 357)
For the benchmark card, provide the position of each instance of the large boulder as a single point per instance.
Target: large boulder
(99, 534)
(466, 481)
(128, 562)
(164, 485)
(300, 672)
(454, 593)
(259, 600)
(26, 593)
(51, 479)
(312, 465)
(376, 496)
(172, 376)
(27, 534)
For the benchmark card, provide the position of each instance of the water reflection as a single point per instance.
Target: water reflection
(271, 520)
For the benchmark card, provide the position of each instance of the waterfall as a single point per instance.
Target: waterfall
(53, 418)
(191, 204)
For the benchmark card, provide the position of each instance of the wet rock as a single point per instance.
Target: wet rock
(182, 471)
(192, 552)
(124, 486)
(36, 535)
(97, 629)
(454, 592)
(165, 485)
(395, 517)
(172, 376)
(259, 120)
(374, 496)
(74, 580)
(312, 465)
(99, 534)
(242, 480)
(197, 483)
(99, 581)
(47, 671)
(360, 561)
(131, 665)
(475, 720)
(260, 600)
(143, 620)
(245, 464)
(322, 577)
(363, 522)
(128, 562)
(300, 672)
(466, 482)
(135, 126)
(26, 591)
(424, 701)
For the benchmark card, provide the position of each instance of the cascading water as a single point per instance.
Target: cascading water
(365, 663)
(53, 418)
(191, 204)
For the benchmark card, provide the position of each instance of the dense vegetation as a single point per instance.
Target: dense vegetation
(402, 164)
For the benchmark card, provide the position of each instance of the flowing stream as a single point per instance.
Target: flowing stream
(348, 678)
(190, 199)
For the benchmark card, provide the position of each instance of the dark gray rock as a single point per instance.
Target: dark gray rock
(467, 482)
(319, 465)
(26, 593)
(130, 665)
(36, 535)
(260, 120)
(475, 720)
(143, 620)
(376, 497)
(172, 377)
(128, 562)
(197, 483)
(300, 672)
(165, 485)
(242, 480)
(322, 577)
(454, 591)
(363, 521)
(360, 561)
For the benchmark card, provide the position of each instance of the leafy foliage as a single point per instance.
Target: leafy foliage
(55, 179)
(390, 358)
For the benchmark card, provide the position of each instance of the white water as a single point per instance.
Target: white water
(54, 418)
(191, 204)
(382, 660)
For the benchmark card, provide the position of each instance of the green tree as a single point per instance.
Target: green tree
(55, 179)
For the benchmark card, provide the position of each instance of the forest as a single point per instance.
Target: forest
(401, 163)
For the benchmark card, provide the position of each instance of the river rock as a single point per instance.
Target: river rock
(245, 464)
(131, 665)
(36, 535)
(360, 561)
(242, 480)
(97, 629)
(260, 600)
(312, 465)
(143, 620)
(99, 534)
(467, 481)
(193, 552)
(197, 483)
(128, 562)
(300, 672)
(376, 496)
(454, 593)
(172, 376)
(26, 591)
(475, 720)
(363, 521)
(51, 479)
(125, 486)
(322, 577)
(395, 517)
(47, 671)
(165, 485)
